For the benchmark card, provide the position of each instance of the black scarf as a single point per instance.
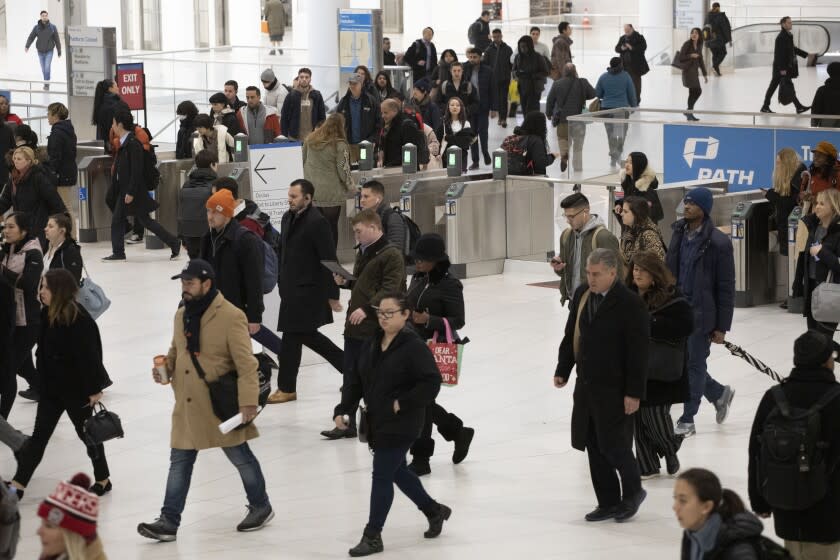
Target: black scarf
(193, 311)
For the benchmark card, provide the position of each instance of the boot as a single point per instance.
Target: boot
(564, 162)
(420, 466)
(367, 546)
(462, 445)
(436, 514)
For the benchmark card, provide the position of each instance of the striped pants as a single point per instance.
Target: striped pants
(654, 435)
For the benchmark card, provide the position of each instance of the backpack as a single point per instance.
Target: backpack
(564, 237)
(517, 156)
(767, 549)
(151, 173)
(265, 365)
(412, 230)
(792, 470)
(422, 146)
(269, 256)
(9, 523)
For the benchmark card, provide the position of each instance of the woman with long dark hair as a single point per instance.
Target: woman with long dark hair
(383, 89)
(367, 84)
(456, 129)
(106, 102)
(716, 524)
(72, 376)
(187, 112)
(534, 132)
(691, 57)
(531, 70)
(63, 251)
(671, 322)
(638, 232)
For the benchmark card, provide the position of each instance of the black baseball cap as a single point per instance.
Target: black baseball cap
(197, 268)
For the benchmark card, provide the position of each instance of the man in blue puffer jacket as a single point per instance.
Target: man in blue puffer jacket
(701, 259)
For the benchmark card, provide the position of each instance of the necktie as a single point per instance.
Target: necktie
(594, 303)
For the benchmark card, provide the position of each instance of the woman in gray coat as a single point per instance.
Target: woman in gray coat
(691, 58)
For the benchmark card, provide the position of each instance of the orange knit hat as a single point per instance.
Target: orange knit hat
(222, 202)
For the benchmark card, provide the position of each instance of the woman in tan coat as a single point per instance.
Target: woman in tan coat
(212, 333)
(326, 164)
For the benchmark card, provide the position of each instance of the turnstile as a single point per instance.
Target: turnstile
(795, 304)
(755, 269)
(475, 227)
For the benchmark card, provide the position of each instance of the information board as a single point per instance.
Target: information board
(272, 168)
(86, 59)
(355, 39)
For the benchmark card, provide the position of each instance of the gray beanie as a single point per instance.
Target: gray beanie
(268, 75)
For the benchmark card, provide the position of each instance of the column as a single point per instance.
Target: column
(316, 29)
(656, 23)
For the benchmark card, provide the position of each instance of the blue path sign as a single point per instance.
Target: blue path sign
(803, 141)
(355, 39)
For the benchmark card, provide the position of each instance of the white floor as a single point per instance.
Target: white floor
(522, 491)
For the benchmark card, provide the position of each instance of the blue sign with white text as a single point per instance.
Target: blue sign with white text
(803, 141)
(742, 156)
(355, 39)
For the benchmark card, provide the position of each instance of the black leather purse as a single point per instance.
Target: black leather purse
(104, 425)
(364, 426)
(666, 358)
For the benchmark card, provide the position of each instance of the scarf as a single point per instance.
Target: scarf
(193, 311)
(15, 262)
(18, 176)
(704, 539)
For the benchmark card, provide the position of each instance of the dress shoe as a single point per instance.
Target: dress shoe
(601, 514)
(279, 397)
(101, 490)
(367, 546)
(802, 109)
(113, 258)
(474, 166)
(30, 394)
(487, 158)
(176, 251)
(672, 464)
(338, 433)
(630, 506)
(160, 530)
(436, 517)
(462, 444)
(766, 109)
(420, 467)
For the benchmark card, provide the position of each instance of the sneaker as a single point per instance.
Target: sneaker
(766, 109)
(436, 520)
(30, 394)
(601, 514)
(112, 258)
(256, 519)
(100, 490)
(462, 445)
(420, 467)
(133, 239)
(723, 403)
(367, 546)
(685, 429)
(161, 530)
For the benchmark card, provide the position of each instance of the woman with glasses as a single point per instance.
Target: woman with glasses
(435, 296)
(397, 376)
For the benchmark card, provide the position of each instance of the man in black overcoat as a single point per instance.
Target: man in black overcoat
(785, 65)
(308, 293)
(606, 338)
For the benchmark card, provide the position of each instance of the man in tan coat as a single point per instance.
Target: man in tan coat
(215, 332)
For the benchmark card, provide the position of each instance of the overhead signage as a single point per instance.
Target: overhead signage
(272, 168)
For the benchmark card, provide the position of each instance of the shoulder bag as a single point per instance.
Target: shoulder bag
(666, 358)
(595, 105)
(92, 297)
(224, 392)
(825, 301)
(104, 425)
(448, 356)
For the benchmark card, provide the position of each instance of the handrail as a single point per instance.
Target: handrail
(808, 23)
(170, 123)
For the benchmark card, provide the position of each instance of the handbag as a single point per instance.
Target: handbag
(825, 301)
(224, 392)
(666, 358)
(92, 297)
(448, 357)
(363, 428)
(677, 63)
(787, 93)
(104, 425)
(595, 105)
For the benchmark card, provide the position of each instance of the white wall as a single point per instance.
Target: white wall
(105, 13)
(243, 22)
(366, 4)
(449, 18)
(177, 25)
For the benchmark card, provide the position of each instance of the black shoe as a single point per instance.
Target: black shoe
(161, 530)
(717, 70)
(802, 109)
(601, 513)
(176, 251)
(256, 519)
(672, 464)
(462, 445)
(564, 163)
(272, 51)
(338, 433)
(100, 490)
(766, 109)
(487, 158)
(630, 506)
(690, 117)
(420, 467)
(30, 394)
(503, 124)
(784, 304)
(367, 546)
(113, 258)
(474, 166)
(436, 521)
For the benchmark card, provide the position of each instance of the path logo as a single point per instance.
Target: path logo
(694, 149)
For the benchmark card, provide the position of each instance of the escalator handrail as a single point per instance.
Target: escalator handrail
(809, 23)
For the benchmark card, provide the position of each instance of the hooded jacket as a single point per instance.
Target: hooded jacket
(192, 200)
(827, 100)
(271, 125)
(575, 249)
(561, 54)
(615, 89)
(61, 150)
(275, 94)
(643, 183)
(529, 65)
(227, 117)
(439, 294)
(290, 113)
(736, 539)
(183, 143)
(47, 37)
(34, 194)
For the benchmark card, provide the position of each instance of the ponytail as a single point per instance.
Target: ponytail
(708, 489)
(730, 504)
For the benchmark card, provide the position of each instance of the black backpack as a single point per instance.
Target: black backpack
(517, 156)
(767, 549)
(151, 173)
(412, 230)
(793, 473)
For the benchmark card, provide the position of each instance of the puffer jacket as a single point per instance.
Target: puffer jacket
(645, 186)
(21, 267)
(61, 150)
(736, 540)
(192, 213)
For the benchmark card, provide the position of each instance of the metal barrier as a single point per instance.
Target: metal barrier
(475, 227)
(94, 214)
(755, 266)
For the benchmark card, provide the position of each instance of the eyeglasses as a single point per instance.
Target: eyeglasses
(386, 313)
(573, 216)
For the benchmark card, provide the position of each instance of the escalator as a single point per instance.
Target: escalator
(754, 44)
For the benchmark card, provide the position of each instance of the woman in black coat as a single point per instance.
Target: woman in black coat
(61, 146)
(63, 251)
(21, 265)
(435, 296)
(671, 323)
(398, 378)
(187, 112)
(534, 142)
(784, 196)
(691, 58)
(72, 374)
(531, 70)
(638, 178)
(106, 103)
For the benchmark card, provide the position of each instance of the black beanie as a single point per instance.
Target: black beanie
(812, 349)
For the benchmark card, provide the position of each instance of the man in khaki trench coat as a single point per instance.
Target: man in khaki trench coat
(217, 333)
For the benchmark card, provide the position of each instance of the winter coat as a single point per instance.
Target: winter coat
(642, 237)
(402, 130)
(378, 270)
(111, 104)
(464, 90)
(69, 257)
(328, 168)
(785, 53)
(821, 522)
(430, 112)
(736, 540)
(236, 256)
(271, 125)
(566, 98)
(192, 200)
(371, 120)
(537, 153)
(784, 205)
(21, 288)
(69, 359)
(275, 95)
(439, 294)
(227, 118)
(634, 60)
(479, 34)
(530, 66)
(611, 363)
(486, 86)
(497, 57)
(713, 272)
(406, 372)
(721, 29)
(827, 102)
(46, 37)
(616, 90)
(433, 145)
(61, 150)
(582, 243)
(224, 143)
(464, 138)
(225, 347)
(644, 185)
(128, 177)
(275, 15)
(561, 54)
(672, 322)
(818, 182)
(415, 53)
(290, 113)
(690, 78)
(7, 145)
(393, 226)
(36, 195)
(828, 259)
(305, 284)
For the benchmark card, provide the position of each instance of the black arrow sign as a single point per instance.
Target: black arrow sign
(257, 169)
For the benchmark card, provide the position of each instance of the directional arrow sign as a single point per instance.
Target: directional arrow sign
(273, 167)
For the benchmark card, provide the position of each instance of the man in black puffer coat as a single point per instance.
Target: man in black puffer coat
(192, 214)
(61, 146)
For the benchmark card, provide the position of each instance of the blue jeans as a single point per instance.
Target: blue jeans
(45, 58)
(181, 463)
(389, 468)
(700, 383)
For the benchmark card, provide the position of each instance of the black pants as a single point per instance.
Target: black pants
(290, 352)
(23, 340)
(718, 54)
(502, 100)
(448, 425)
(529, 95)
(637, 85)
(604, 462)
(389, 469)
(193, 245)
(693, 96)
(332, 213)
(50, 409)
(118, 227)
(352, 351)
(481, 123)
(654, 435)
(771, 89)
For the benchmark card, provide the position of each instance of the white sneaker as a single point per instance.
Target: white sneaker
(133, 239)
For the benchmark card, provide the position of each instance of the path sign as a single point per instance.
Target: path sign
(273, 167)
